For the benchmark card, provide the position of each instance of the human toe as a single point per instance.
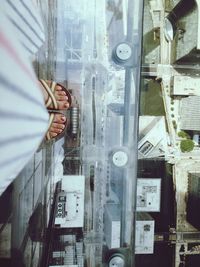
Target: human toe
(60, 93)
(63, 105)
(53, 134)
(59, 118)
(58, 88)
(58, 126)
(56, 130)
(62, 97)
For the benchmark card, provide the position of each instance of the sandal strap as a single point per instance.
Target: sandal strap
(51, 118)
(49, 101)
(53, 86)
(51, 98)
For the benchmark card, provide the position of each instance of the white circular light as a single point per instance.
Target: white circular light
(117, 261)
(123, 51)
(120, 158)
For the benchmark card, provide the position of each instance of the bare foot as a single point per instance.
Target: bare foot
(58, 125)
(60, 95)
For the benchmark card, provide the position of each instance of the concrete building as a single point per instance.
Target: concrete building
(152, 137)
(186, 85)
(190, 113)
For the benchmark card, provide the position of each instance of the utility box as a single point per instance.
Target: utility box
(144, 234)
(148, 194)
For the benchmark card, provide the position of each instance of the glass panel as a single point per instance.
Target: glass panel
(98, 57)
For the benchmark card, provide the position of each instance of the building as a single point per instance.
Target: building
(186, 85)
(190, 113)
(152, 137)
(193, 203)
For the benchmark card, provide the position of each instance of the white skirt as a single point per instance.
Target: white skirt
(23, 116)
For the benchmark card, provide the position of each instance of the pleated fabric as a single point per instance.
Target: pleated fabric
(23, 116)
(27, 23)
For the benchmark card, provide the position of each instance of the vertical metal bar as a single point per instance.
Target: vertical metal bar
(131, 110)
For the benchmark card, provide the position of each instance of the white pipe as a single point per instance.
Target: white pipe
(198, 25)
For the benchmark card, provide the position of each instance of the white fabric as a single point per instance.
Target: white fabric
(23, 116)
(27, 24)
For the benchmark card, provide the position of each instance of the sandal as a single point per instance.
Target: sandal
(50, 89)
(51, 120)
